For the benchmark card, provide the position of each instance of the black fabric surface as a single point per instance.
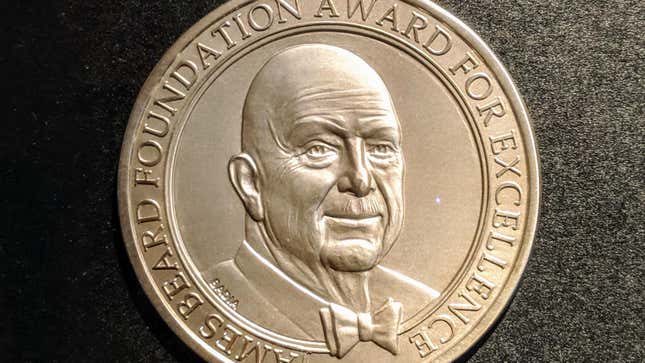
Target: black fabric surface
(72, 70)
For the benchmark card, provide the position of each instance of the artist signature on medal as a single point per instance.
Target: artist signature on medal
(224, 294)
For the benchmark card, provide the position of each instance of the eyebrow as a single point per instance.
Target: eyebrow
(382, 131)
(325, 122)
(314, 126)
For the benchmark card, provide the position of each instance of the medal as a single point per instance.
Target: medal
(315, 181)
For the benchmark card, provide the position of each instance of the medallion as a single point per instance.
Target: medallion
(329, 180)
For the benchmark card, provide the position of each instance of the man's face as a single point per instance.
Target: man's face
(332, 188)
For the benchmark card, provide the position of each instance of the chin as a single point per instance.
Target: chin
(351, 255)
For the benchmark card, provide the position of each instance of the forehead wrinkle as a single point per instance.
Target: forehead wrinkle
(335, 101)
(327, 122)
(336, 121)
(329, 93)
(337, 113)
(330, 108)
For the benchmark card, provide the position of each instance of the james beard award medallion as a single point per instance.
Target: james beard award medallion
(329, 180)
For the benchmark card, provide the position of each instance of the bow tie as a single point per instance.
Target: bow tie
(344, 328)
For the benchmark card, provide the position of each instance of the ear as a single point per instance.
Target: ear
(244, 176)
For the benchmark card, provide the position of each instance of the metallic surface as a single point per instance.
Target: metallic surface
(322, 180)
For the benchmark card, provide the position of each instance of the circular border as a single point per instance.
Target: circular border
(476, 133)
(469, 37)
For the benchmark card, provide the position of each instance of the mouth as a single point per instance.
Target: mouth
(354, 221)
(352, 243)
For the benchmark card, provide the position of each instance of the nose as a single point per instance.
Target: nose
(356, 179)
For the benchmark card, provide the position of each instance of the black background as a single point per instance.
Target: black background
(71, 71)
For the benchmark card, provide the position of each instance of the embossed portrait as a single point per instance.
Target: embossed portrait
(320, 175)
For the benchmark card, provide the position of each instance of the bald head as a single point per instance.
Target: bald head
(311, 80)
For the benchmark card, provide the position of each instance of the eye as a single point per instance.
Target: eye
(381, 150)
(320, 151)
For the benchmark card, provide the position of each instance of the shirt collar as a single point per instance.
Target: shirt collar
(299, 304)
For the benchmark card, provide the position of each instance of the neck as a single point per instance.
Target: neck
(350, 289)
